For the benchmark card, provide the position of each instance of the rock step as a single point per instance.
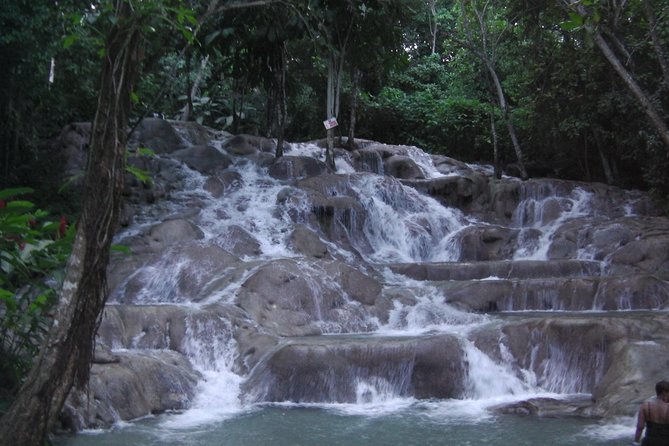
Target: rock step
(352, 369)
(602, 293)
(503, 269)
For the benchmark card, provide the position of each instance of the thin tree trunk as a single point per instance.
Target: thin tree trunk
(185, 116)
(433, 25)
(331, 93)
(505, 113)
(280, 97)
(355, 83)
(194, 88)
(66, 354)
(608, 173)
(495, 146)
(641, 97)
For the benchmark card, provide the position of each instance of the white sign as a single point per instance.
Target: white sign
(330, 123)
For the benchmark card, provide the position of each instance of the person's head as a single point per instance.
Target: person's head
(662, 390)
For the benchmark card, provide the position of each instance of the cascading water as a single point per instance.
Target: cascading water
(544, 211)
(401, 226)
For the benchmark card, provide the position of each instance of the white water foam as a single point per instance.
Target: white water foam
(212, 351)
(546, 214)
(403, 225)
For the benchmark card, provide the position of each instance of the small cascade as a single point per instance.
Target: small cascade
(212, 352)
(542, 209)
(487, 378)
(423, 310)
(403, 225)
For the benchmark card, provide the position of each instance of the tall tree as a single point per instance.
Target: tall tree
(66, 355)
(602, 24)
(483, 39)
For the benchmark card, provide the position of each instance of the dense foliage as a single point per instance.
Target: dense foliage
(572, 89)
(415, 68)
(33, 249)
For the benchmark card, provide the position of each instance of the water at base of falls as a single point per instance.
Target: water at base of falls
(411, 230)
(419, 423)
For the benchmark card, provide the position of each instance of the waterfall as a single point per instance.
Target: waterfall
(544, 209)
(212, 352)
(403, 225)
(355, 342)
(487, 378)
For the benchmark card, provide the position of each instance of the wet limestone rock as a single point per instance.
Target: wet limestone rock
(330, 370)
(138, 384)
(298, 298)
(156, 134)
(296, 167)
(205, 159)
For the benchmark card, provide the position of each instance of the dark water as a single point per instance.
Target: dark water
(300, 426)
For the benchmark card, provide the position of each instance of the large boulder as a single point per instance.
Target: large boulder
(291, 298)
(296, 167)
(183, 273)
(249, 145)
(353, 370)
(306, 242)
(402, 166)
(223, 183)
(498, 269)
(203, 158)
(156, 134)
(628, 244)
(610, 356)
(608, 293)
(468, 193)
(137, 384)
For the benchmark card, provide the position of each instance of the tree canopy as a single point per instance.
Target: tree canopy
(581, 86)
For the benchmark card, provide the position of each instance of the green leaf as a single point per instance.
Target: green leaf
(69, 40)
(575, 21)
(145, 151)
(7, 193)
(20, 204)
(121, 248)
(211, 37)
(140, 174)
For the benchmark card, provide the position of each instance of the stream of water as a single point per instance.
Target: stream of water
(420, 230)
(409, 423)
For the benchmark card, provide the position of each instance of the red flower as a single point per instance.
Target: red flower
(63, 226)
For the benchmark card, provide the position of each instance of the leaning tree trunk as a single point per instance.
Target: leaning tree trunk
(66, 353)
(641, 97)
(505, 113)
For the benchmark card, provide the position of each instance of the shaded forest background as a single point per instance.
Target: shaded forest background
(573, 89)
(418, 72)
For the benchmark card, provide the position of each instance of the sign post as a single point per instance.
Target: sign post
(330, 123)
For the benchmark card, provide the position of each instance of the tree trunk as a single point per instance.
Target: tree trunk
(192, 92)
(638, 93)
(505, 113)
(185, 116)
(355, 83)
(280, 96)
(66, 354)
(434, 25)
(495, 146)
(331, 93)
